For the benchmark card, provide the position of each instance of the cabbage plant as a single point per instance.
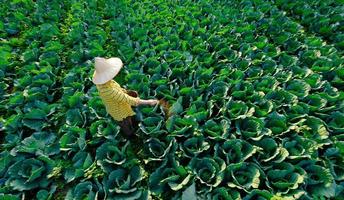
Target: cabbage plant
(30, 173)
(169, 176)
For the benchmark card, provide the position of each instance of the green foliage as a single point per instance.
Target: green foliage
(30, 173)
(121, 184)
(254, 90)
(39, 143)
(209, 171)
(83, 190)
(243, 176)
(169, 176)
(81, 161)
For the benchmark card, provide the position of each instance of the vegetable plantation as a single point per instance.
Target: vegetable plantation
(256, 89)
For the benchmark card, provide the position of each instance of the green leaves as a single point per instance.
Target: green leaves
(216, 130)
(190, 193)
(337, 122)
(122, 183)
(27, 174)
(73, 139)
(74, 100)
(109, 153)
(251, 128)
(37, 118)
(243, 176)
(156, 150)
(319, 178)
(152, 126)
(209, 171)
(224, 193)
(47, 31)
(176, 107)
(254, 91)
(297, 146)
(238, 109)
(284, 177)
(317, 128)
(44, 194)
(263, 108)
(270, 151)
(318, 17)
(277, 123)
(84, 190)
(81, 161)
(75, 117)
(194, 146)
(39, 143)
(169, 176)
(30, 55)
(235, 151)
(299, 88)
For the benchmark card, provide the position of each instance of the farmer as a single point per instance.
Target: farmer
(117, 100)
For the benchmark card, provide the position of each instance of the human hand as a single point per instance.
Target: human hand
(151, 102)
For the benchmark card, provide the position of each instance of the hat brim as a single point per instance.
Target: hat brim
(109, 73)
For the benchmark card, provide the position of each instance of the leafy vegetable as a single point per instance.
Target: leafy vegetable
(209, 171)
(250, 92)
(30, 173)
(169, 176)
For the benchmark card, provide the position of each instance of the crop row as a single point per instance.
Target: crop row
(256, 102)
(322, 17)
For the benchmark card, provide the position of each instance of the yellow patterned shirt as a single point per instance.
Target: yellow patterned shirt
(117, 102)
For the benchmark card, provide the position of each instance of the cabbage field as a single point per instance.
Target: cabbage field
(255, 88)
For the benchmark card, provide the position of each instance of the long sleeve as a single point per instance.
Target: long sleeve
(124, 90)
(117, 94)
(117, 102)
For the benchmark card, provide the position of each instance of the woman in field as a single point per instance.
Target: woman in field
(116, 99)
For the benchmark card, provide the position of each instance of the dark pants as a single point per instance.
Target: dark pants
(129, 124)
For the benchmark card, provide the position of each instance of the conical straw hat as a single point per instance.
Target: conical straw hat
(106, 69)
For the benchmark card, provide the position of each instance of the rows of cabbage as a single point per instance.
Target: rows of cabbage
(257, 103)
(321, 17)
